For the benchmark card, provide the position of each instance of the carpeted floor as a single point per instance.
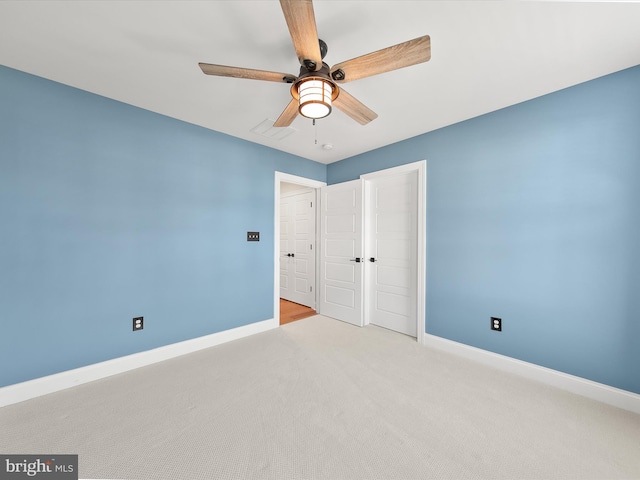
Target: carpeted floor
(321, 399)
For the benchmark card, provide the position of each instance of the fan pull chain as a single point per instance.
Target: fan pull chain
(316, 130)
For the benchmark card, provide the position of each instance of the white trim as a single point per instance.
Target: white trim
(293, 193)
(364, 244)
(305, 182)
(399, 170)
(71, 378)
(421, 168)
(581, 386)
(421, 307)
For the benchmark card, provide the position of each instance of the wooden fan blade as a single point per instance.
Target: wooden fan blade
(237, 72)
(354, 108)
(289, 115)
(302, 27)
(398, 56)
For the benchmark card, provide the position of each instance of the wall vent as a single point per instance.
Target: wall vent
(266, 129)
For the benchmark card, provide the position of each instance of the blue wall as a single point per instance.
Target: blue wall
(533, 215)
(108, 212)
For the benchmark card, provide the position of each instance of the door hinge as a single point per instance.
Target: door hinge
(310, 288)
(311, 204)
(311, 247)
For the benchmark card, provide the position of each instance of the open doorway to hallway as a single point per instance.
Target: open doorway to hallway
(295, 227)
(297, 252)
(298, 244)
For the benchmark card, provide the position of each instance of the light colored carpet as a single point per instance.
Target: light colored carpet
(320, 399)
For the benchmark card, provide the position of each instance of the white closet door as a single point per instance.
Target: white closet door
(391, 263)
(341, 264)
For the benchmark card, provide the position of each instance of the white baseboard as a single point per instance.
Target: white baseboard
(581, 386)
(71, 378)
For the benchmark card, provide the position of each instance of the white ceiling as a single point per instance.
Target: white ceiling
(485, 56)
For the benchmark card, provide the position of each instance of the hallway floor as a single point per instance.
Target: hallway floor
(290, 311)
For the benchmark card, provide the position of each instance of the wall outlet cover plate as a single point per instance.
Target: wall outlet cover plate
(138, 323)
(496, 324)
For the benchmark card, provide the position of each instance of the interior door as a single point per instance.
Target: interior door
(286, 237)
(341, 262)
(297, 253)
(391, 223)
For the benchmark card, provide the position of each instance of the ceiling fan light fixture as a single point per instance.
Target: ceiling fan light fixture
(314, 97)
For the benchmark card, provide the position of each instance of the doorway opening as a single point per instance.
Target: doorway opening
(295, 252)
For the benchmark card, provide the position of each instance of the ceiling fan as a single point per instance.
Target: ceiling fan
(316, 88)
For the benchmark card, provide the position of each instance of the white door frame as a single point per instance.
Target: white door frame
(304, 182)
(421, 168)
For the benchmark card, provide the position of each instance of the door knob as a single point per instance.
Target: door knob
(357, 260)
(372, 259)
